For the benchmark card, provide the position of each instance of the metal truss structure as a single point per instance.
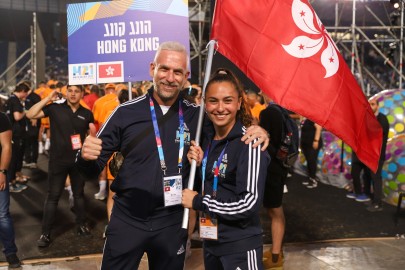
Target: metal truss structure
(375, 27)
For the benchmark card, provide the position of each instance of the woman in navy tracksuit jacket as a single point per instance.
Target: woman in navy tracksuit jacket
(241, 178)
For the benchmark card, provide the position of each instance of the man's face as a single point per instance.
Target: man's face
(21, 95)
(74, 94)
(374, 105)
(169, 73)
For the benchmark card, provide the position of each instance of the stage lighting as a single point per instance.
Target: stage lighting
(395, 3)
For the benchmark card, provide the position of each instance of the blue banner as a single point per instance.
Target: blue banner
(115, 41)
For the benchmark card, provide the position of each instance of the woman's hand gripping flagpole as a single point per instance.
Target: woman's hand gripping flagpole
(211, 46)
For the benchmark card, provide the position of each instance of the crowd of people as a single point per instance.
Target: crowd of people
(239, 171)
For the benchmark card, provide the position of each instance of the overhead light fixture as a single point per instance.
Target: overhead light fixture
(395, 3)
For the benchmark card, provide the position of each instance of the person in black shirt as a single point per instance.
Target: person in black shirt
(311, 144)
(7, 235)
(370, 178)
(271, 119)
(16, 112)
(31, 141)
(69, 126)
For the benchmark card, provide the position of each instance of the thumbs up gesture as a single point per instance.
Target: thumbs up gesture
(92, 145)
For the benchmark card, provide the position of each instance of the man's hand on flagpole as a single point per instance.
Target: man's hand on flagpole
(257, 132)
(195, 153)
(188, 197)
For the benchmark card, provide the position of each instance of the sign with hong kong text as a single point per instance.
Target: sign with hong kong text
(115, 41)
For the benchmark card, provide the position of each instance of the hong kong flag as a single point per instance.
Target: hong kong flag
(110, 72)
(282, 46)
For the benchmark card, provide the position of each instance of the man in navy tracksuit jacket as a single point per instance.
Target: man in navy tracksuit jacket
(138, 203)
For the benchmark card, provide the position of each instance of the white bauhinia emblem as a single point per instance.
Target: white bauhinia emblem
(110, 71)
(304, 47)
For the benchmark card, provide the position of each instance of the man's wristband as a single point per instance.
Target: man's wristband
(3, 171)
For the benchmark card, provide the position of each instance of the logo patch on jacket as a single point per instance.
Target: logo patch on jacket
(186, 135)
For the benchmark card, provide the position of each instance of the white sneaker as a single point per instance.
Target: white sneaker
(47, 145)
(100, 195)
(289, 175)
(313, 183)
(32, 165)
(40, 148)
(285, 189)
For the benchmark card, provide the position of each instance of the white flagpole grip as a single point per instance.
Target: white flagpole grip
(211, 46)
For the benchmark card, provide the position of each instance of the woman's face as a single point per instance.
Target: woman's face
(222, 102)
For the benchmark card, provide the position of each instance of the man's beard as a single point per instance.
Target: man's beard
(164, 95)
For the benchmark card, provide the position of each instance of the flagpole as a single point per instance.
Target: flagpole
(211, 46)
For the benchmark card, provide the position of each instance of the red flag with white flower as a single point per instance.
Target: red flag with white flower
(283, 47)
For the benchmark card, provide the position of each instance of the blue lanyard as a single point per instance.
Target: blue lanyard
(215, 167)
(159, 140)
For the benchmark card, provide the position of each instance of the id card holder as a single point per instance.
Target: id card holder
(172, 189)
(76, 141)
(208, 228)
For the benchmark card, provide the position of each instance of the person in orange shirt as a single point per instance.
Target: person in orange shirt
(110, 94)
(252, 99)
(109, 105)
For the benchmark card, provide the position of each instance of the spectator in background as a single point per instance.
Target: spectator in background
(252, 98)
(91, 98)
(7, 235)
(311, 144)
(16, 112)
(271, 119)
(110, 94)
(31, 146)
(363, 194)
(137, 89)
(109, 105)
(198, 96)
(69, 124)
(192, 94)
(123, 96)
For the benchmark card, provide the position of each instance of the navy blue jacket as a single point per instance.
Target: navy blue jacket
(139, 185)
(240, 193)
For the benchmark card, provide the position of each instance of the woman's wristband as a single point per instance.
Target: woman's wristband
(316, 140)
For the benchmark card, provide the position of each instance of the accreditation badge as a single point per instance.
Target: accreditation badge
(172, 189)
(76, 141)
(208, 228)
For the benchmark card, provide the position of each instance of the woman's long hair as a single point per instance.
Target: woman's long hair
(225, 75)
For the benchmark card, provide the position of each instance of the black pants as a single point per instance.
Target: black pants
(17, 154)
(126, 244)
(311, 156)
(31, 149)
(57, 174)
(370, 178)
